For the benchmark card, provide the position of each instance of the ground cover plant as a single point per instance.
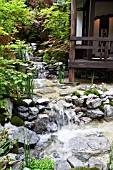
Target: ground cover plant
(6, 146)
(43, 164)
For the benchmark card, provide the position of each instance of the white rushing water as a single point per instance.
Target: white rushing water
(62, 137)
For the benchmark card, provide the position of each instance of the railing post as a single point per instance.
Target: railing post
(72, 43)
(106, 51)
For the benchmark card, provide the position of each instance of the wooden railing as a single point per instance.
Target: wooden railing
(104, 46)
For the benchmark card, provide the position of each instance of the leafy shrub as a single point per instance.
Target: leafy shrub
(76, 93)
(91, 91)
(43, 164)
(17, 121)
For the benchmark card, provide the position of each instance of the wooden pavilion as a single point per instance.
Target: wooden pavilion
(93, 47)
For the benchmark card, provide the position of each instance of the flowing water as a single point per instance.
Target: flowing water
(60, 145)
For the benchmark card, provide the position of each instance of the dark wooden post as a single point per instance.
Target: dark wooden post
(91, 25)
(72, 43)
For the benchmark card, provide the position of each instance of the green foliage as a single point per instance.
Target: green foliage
(76, 93)
(57, 20)
(6, 163)
(26, 150)
(92, 78)
(5, 144)
(91, 91)
(4, 114)
(111, 103)
(13, 83)
(43, 164)
(13, 14)
(57, 24)
(17, 121)
(101, 107)
(47, 59)
(60, 74)
(110, 164)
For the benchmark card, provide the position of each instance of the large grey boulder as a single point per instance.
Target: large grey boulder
(77, 101)
(62, 165)
(108, 110)
(22, 133)
(65, 92)
(23, 109)
(93, 162)
(46, 90)
(28, 102)
(24, 115)
(89, 146)
(94, 113)
(93, 103)
(41, 125)
(33, 110)
(74, 162)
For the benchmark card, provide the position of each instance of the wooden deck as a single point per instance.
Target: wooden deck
(81, 63)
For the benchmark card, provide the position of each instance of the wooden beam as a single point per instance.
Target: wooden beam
(91, 64)
(72, 43)
(104, 39)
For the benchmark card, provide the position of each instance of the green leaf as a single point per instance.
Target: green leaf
(1, 151)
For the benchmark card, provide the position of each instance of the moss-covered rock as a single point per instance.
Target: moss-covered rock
(91, 91)
(76, 93)
(17, 121)
(111, 103)
(85, 168)
(101, 107)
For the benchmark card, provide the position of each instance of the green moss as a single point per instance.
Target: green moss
(84, 168)
(91, 91)
(101, 107)
(76, 93)
(111, 103)
(17, 121)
